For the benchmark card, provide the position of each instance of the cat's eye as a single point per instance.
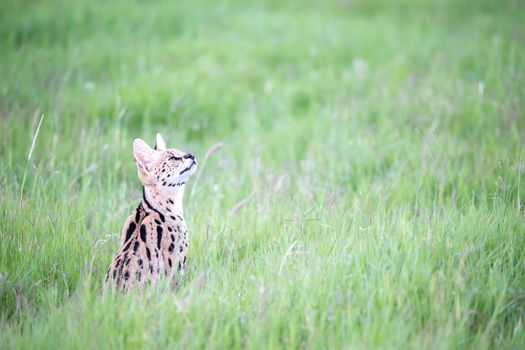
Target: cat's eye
(174, 158)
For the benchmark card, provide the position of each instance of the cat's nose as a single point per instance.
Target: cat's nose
(189, 156)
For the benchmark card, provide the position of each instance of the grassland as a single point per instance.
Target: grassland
(369, 193)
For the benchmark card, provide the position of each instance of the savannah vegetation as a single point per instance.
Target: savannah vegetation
(360, 182)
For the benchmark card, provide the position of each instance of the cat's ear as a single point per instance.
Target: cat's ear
(160, 144)
(143, 154)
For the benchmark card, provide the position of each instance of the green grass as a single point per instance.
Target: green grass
(379, 148)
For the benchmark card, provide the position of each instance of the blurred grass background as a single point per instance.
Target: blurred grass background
(369, 192)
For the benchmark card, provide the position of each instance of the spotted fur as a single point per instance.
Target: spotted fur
(154, 239)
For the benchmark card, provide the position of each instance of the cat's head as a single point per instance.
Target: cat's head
(164, 168)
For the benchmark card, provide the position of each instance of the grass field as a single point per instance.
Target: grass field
(369, 192)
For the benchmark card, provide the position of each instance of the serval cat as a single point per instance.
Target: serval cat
(154, 239)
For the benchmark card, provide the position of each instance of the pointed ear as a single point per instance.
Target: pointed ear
(143, 154)
(160, 144)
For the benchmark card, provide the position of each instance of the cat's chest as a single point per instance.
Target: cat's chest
(174, 238)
